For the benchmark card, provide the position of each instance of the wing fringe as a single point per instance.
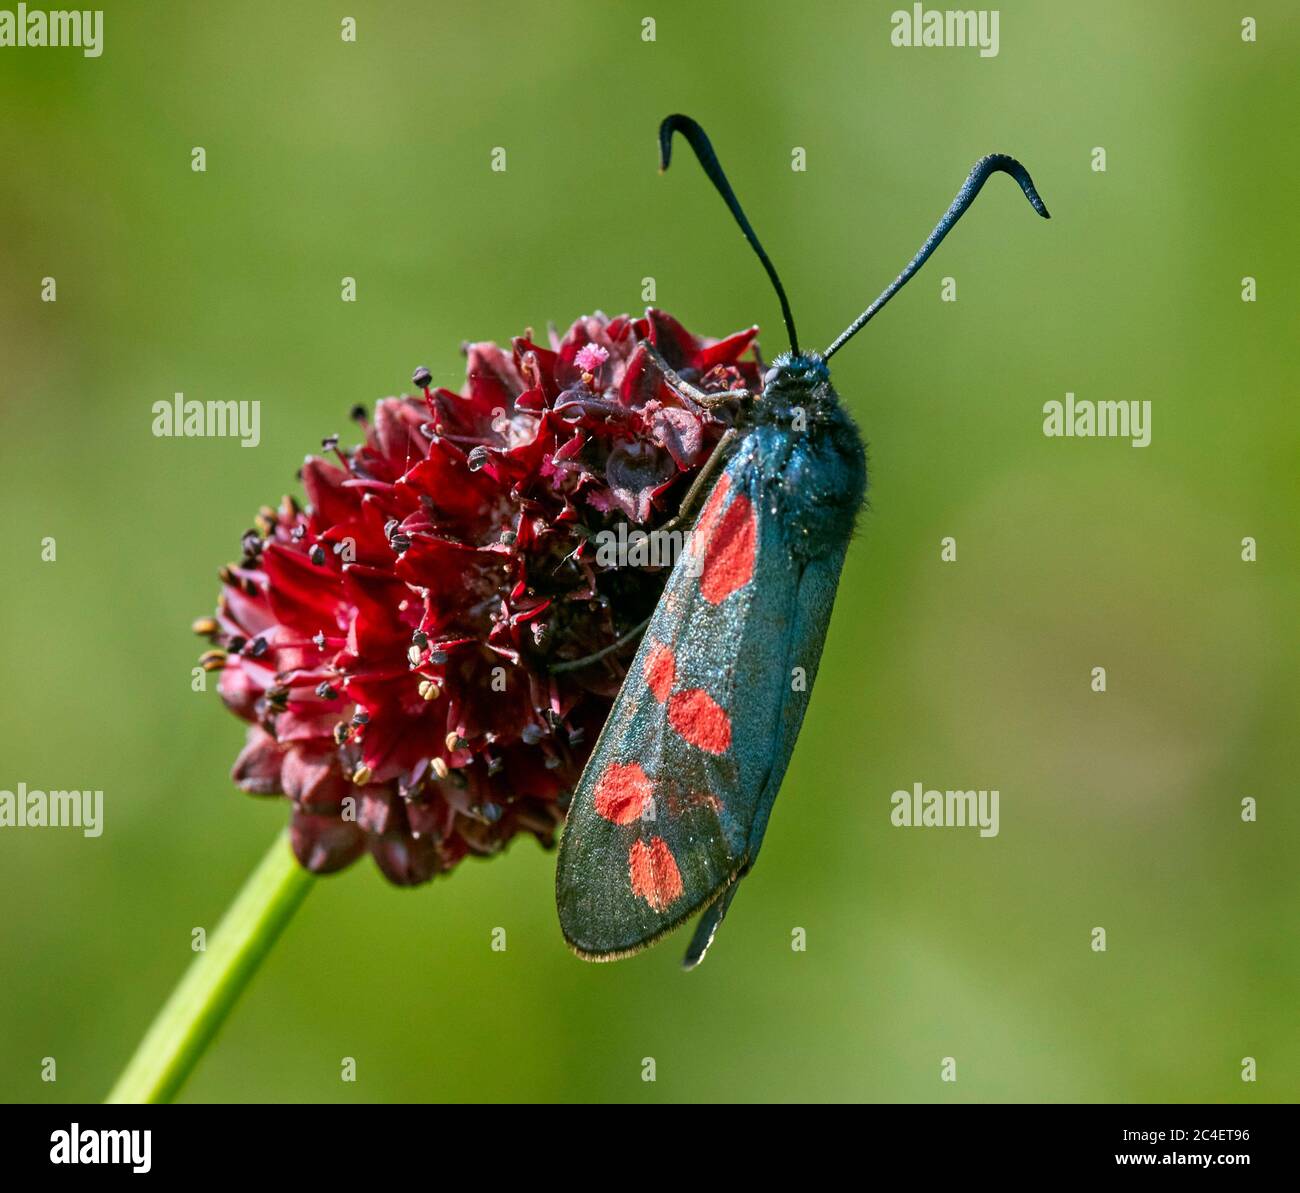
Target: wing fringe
(718, 895)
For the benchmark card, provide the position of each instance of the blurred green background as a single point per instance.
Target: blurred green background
(371, 160)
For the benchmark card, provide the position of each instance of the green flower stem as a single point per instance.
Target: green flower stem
(200, 1003)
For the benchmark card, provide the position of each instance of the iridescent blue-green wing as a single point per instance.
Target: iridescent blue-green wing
(671, 809)
(815, 596)
(655, 831)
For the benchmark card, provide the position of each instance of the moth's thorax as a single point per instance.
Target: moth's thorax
(809, 454)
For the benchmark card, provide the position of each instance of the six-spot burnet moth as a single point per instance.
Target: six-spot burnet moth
(671, 809)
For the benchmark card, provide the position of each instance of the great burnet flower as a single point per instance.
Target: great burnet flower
(399, 645)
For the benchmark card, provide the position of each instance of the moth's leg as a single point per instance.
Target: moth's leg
(698, 486)
(694, 393)
(573, 664)
(703, 479)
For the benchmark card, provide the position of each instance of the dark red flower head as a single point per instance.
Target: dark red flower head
(393, 645)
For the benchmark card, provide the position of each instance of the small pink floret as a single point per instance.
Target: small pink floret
(590, 357)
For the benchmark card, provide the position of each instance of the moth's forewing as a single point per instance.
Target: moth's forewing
(818, 581)
(656, 828)
(672, 806)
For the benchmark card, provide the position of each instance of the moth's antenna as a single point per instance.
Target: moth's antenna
(696, 138)
(965, 197)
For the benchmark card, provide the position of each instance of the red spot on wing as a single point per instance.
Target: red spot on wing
(653, 873)
(712, 509)
(701, 720)
(660, 671)
(622, 792)
(729, 551)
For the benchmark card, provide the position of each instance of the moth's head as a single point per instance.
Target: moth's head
(794, 373)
